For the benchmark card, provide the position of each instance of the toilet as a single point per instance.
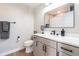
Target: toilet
(29, 46)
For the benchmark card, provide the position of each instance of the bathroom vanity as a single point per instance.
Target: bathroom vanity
(51, 45)
(42, 46)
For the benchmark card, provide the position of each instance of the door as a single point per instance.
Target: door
(50, 51)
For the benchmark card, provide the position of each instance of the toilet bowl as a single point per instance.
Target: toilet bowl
(28, 46)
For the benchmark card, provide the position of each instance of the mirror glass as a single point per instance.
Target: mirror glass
(62, 16)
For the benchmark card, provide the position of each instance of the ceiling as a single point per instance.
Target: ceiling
(33, 5)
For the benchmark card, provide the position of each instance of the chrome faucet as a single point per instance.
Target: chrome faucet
(52, 32)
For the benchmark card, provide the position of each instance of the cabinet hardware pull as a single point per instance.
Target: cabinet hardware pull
(66, 49)
(35, 38)
(57, 53)
(36, 43)
(45, 49)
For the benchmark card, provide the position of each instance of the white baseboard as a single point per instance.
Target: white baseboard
(11, 51)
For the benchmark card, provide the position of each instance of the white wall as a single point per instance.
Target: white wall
(23, 16)
(39, 19)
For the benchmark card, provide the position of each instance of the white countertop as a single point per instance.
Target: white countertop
(74, 41)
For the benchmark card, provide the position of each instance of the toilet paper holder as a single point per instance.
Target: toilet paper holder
(18, 38)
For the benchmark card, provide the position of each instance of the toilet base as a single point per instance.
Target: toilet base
(29, 50)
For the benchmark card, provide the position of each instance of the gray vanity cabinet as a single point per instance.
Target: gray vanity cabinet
(49, 47)
(38, 47)
(44, 47)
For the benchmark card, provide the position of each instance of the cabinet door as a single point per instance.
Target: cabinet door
(40, 49)
(35, 51)
(50, 51)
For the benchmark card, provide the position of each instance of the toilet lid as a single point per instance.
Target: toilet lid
(28, 41)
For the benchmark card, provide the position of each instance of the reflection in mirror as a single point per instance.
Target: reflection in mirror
(60, 17)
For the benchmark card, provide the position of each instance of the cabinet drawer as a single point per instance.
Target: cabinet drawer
(51, 43)
(68, 49)
(40, 39)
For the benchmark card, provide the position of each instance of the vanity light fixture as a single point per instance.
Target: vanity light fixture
(48, 4)
(61, 14)
(58, 12)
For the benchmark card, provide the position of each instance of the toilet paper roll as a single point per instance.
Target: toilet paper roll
(18, 39)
